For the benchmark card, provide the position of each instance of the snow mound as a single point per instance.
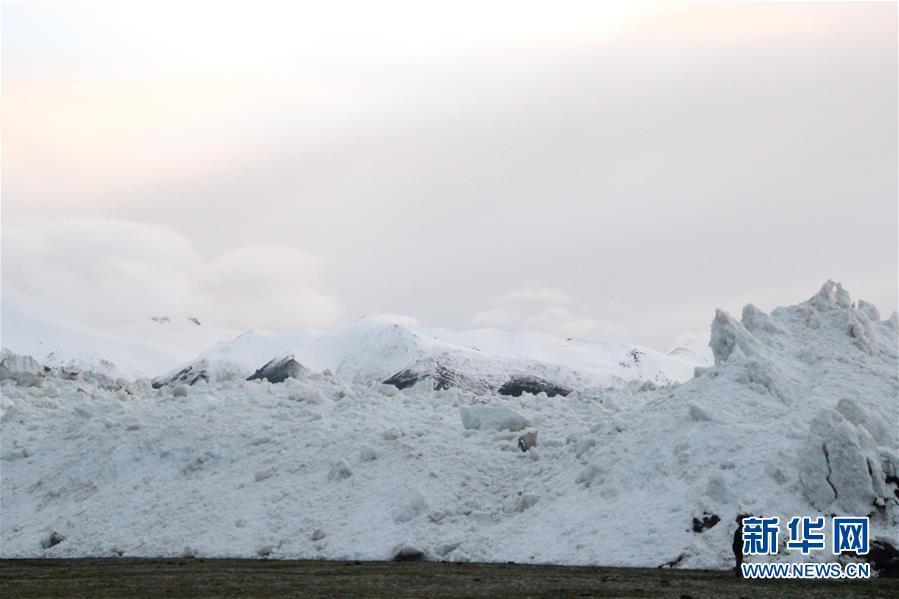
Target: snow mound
(797, 416)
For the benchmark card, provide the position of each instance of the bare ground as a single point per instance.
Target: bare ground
(266, 578)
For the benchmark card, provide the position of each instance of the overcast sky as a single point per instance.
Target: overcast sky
(607, 171)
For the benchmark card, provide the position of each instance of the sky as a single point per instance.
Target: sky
(608, 171)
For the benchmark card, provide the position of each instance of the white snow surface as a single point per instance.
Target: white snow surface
(798, 416)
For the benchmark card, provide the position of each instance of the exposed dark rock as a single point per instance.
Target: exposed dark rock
(187, 375)
(404, 552)
(279, 370)
(635, 355)
(893, 480)
(673, 563)
(444, 377)
(527, 440)
(405, 379)
(52, 540)
(707, 522)
(531, 384)
(884, 558)
(194, 320)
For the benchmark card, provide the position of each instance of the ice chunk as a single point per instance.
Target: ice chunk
(860, 331)
(730, 337)
(21, 363)
(869, 310)
(764, 376)
(757, 321)
(840, 463)
(492, 418)
(24, 370)
(388, 390)
(878, 426)
(830, 297)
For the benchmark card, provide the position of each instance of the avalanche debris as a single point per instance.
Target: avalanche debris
(797, 416)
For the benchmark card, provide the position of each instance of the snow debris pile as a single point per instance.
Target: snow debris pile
(797, 416)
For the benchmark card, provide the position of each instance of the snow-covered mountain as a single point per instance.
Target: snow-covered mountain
(184, 350)
(478, 361)
(798, 416)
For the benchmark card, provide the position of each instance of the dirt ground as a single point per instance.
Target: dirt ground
(267, 578)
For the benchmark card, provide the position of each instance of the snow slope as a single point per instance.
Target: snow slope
(480, 360)
(134, 349)
(798, 416)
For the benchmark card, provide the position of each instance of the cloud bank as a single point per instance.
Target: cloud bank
(544, 310)
(95, 271)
